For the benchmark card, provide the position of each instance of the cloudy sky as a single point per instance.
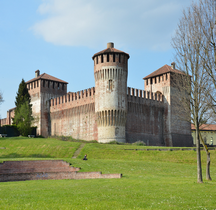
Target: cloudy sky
(59, 37)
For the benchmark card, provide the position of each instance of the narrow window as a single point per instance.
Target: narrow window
(43, 83)
(155, 80)
(147, 82)
(53, 84)
(110, 84)
(113, 57)
(48, 84)
(101, 58)
(97, 60)
(119, 58)
(107, 57)
(58, 85)
(37, 83)
(62, 86)
(151, 81)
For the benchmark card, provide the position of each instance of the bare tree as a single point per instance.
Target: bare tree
(1, 97)
(205, 15)
(195, 88)
(1, 100)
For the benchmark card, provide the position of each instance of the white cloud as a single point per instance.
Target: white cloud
(137, 23)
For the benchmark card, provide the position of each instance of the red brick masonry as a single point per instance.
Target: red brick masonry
(45, 169)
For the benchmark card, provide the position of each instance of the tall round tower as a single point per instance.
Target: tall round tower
(110, 73)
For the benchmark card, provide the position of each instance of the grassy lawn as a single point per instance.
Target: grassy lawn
(151, 179)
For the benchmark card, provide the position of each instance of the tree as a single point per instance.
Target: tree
(25, 119)
(23, 112)
(196, 90)
(1, 100)
(206, 16)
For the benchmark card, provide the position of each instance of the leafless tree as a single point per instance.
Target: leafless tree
(205, 13)
(1, 97)
(1, 100)
(195, 87)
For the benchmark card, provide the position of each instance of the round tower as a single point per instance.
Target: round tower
(110, 73)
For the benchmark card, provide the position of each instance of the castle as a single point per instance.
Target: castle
(110, 111)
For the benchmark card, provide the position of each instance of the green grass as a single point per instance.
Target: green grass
(20, 147)
(151, 179)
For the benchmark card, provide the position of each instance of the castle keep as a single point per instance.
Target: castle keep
(110, 111)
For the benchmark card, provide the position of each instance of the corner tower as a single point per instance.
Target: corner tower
(110, 73)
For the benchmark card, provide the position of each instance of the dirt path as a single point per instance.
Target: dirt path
(76, 153)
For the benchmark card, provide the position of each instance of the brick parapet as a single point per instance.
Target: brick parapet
(71, 100)
(160, 80)
(144, 97)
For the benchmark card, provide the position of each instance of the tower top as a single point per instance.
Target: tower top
(110, 49)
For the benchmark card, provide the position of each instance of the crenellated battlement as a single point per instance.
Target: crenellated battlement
(73, 99)
(109, 73)
(142, 95)
(43, 83)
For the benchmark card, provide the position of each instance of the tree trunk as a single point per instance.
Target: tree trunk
(199, 167)
(208, 177)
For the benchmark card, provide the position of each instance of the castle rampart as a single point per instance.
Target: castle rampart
(74, 115)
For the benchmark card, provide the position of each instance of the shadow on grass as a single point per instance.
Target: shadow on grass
(15, 155)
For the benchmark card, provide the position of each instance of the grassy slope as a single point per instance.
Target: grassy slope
(151, 179)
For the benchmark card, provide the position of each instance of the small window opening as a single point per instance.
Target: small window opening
(48, 84)
(113, 57)
(97, 60)
(107, 57)
(151, 81)
(62, 86)
(110, 85)
(147, 82)
(155, 80)
(43, 83)
(58, 85)
(119, 58)
(53, 85)
(101, 58)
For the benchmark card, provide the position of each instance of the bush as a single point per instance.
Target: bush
(139, 143)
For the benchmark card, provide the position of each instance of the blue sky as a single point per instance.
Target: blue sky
(59, 37)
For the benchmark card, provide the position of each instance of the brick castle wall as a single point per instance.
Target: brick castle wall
(74, 115)
(145, 117)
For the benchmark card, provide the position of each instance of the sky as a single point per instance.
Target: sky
(59, 37)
